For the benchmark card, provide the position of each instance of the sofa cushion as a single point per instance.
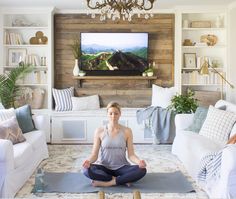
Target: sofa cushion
(23, 152)
(85, 103)
(35, 139)
(218, 124)
(62, 98)
(10, 130)
(24, 118)
(162, 96)
(6, 114)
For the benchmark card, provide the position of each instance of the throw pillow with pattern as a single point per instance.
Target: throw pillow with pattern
(10, 130)
(218, 124)
(6, 114)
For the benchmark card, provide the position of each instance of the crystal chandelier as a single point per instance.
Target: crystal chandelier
(121, 9)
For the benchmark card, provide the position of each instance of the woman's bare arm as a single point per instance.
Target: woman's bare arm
(96, 146)
(130, 148)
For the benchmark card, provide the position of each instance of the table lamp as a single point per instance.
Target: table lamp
(204, 70)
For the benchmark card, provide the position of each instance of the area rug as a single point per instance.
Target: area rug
(151, 183)
(69, 158)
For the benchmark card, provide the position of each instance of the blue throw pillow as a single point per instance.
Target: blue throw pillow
(24, 118)
(198, 119)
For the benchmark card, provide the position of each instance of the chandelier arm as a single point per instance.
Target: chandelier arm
(144, 8)
(97, 6)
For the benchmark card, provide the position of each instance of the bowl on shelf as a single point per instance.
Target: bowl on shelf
(82, 73)
(149, 74)
(144, 74)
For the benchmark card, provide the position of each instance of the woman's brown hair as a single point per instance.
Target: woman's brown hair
(114, 105)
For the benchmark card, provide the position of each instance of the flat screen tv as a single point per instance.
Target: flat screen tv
(114, 53)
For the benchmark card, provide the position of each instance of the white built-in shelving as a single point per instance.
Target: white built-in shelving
(26, 35)
(216, 55)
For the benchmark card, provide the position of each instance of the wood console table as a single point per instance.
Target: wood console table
(81, 78)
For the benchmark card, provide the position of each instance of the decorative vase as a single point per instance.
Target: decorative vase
(76, 68)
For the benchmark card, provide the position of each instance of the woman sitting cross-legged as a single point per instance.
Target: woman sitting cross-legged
(112, 167)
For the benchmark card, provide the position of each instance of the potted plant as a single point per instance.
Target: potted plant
(9, 90)
(149, 72)
(184, 103)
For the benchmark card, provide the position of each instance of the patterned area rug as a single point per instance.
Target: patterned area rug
(68, 158)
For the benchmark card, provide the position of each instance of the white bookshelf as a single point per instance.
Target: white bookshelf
(189, 77)
(18, 26)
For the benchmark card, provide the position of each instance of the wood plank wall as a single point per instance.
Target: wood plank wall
(129, 93)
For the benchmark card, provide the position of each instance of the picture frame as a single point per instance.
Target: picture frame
(16, 55)
(190, 60)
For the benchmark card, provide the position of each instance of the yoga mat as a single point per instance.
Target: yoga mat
(174, 182)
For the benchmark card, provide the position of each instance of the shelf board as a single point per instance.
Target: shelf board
(115, 77)
(199, 69)
(24, 27)
(201, 85)
(81, 78)
(200, 29)
(35, 67)
(32, 85)
(25, 45)
(196, 47)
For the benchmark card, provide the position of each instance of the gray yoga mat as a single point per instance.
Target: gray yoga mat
(174, 182)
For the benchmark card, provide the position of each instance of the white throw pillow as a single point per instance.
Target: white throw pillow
(1, 106)
(162, 96)
(218, 124)
(85, 103)
(62, 98)
(6, 114)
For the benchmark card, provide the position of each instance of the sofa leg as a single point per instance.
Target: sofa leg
(101, 195)
(136, 194)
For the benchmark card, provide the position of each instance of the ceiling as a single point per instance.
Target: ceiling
(81, 4)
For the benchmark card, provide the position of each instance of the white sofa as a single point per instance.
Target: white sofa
(190, 147)
(19, 161)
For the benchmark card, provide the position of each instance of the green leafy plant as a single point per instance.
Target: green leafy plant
(184, 103)
(9, 90)
(76, 48)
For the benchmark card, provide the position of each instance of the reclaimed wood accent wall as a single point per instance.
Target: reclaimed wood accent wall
(129, 93)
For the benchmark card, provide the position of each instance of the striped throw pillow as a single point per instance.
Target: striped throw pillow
(62, 98)
(218, 125)
(6, 114)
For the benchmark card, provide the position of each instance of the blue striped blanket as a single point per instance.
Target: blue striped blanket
(209, 171)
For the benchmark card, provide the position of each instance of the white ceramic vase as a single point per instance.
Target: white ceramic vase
(76, 68)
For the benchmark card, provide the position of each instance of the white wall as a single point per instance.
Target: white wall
(232, 52)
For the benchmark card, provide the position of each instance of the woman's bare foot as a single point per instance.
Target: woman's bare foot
(96, 183)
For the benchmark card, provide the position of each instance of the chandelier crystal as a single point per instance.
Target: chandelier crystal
(121, 9)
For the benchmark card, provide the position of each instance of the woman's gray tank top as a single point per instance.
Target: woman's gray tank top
(113, 150)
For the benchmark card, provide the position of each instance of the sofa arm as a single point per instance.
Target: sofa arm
(228, 171)
(6, 155)
(183, 121)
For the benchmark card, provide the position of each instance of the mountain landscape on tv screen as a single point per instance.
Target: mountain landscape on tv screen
(98, 57)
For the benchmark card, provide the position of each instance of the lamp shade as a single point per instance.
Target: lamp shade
(204, 69)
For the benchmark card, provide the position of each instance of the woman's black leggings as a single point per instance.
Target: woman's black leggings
(125, 174)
